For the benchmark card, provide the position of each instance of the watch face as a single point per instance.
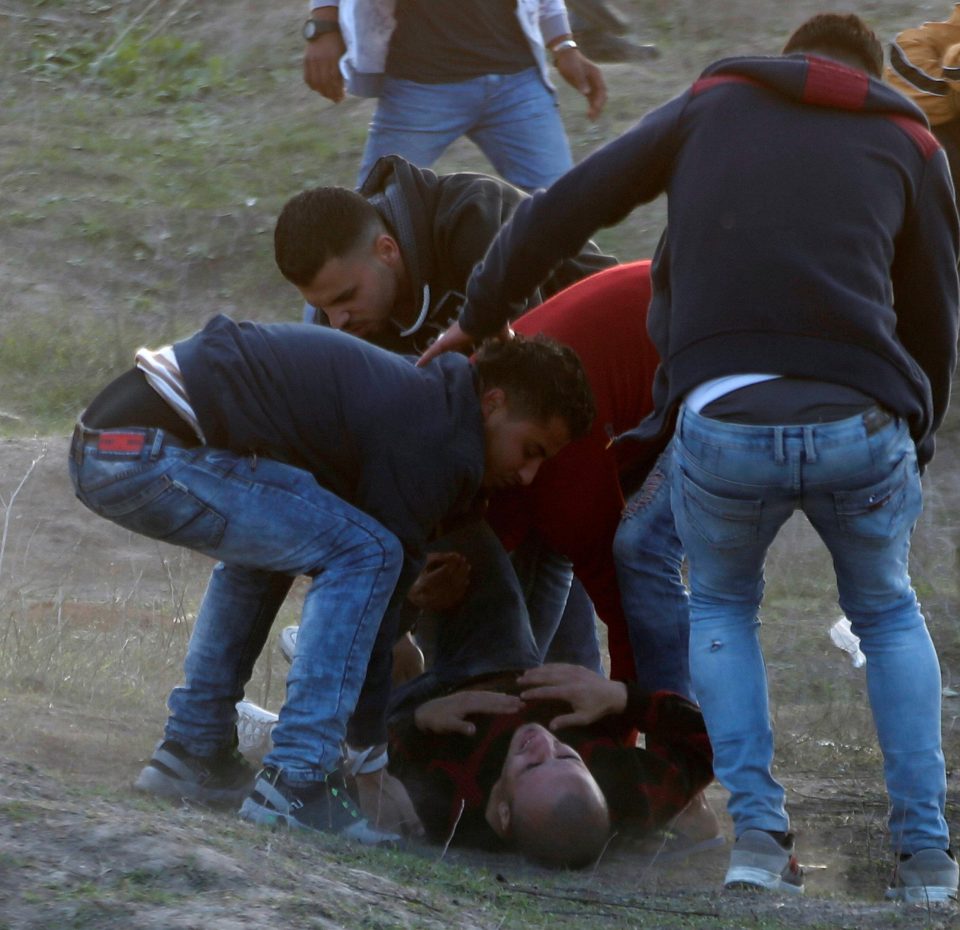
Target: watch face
(314, 28)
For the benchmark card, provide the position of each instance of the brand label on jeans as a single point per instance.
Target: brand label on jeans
(120, 442)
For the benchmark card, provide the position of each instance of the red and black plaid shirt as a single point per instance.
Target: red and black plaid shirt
(449, 777)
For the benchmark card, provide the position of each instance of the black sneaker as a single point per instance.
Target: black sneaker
(221, 780)
(325, 807)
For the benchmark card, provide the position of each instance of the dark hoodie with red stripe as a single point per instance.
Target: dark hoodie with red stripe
(811, 233)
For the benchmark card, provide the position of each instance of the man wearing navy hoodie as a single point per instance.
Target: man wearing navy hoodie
(805, 312)
(290, 449)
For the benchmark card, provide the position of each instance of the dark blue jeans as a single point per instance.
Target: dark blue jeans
(267, 522)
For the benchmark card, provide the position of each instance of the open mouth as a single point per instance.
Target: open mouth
(528, 737)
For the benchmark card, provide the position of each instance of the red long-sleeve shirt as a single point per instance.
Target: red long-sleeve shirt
(574, 503)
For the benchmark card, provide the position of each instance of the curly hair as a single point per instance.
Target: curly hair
(319, 224)
(845, 33)
(541, 378)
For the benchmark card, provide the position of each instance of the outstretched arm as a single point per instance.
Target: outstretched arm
(556, 223)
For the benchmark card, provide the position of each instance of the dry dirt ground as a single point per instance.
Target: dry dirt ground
(94, 621)
(79, 849)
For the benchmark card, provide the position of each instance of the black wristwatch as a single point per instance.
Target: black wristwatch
(314, 28)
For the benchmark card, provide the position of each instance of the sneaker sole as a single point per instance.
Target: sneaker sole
(746, 878)
(360, 832)
(258, 814)
(152, 781)
(923, 894)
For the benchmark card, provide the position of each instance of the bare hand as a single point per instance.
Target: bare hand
(453, 340)
(448, 714)
(591, 695)
(442, 583)
(456, 339)
(386, 805)
(586, 77)
(321, 65)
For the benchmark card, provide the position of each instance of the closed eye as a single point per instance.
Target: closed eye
(343, 297)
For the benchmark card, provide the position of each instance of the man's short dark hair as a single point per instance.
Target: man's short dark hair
(320, 224)
(541, 378)
(572, 835)
(839, 33)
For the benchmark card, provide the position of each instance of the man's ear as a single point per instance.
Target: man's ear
(387, 249)
(498, 810)
(491, 400)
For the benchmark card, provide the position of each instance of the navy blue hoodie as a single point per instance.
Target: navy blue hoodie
(811, 232)
(401, 443)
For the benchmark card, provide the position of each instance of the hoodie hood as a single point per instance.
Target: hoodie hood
(406, 198)
(814, 81)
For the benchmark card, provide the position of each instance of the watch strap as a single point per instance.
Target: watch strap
(314, 28)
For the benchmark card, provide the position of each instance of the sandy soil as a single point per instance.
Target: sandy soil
(78, 847)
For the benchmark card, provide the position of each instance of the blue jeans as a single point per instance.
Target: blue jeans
(268, 522)
(492, 608)
(488, 632)
(857, 481)
(561, 614)
(649, 556)
(512, 118)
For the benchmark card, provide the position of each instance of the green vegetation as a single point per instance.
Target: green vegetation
(145, 150)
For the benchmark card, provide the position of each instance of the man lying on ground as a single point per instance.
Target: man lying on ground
(545, 760)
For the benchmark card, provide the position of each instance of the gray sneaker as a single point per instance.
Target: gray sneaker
(222, 780)
(325, 807)
(927, 877)
(758, 861)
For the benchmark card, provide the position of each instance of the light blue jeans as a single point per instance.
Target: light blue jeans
(649, 557)
(857, 481)
(512, 118)
(268, 522)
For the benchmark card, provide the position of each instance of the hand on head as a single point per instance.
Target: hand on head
(590, 695)
(457, 339)
(448, 714)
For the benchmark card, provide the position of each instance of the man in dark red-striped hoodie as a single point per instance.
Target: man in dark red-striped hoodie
(805, 312)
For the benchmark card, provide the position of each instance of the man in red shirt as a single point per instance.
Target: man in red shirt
(575, 503)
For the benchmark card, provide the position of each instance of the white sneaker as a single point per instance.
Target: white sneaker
(254, 730)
